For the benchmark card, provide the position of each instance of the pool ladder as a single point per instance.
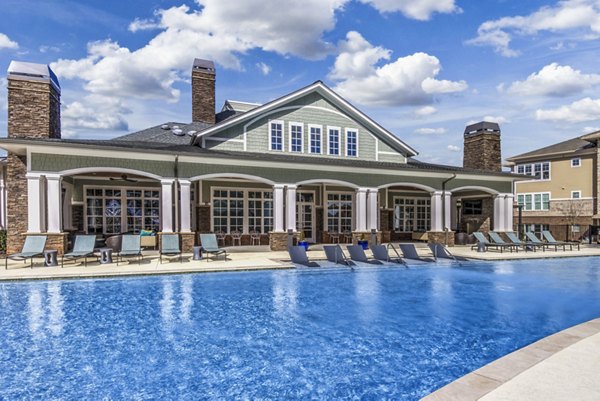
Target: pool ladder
(400, 259)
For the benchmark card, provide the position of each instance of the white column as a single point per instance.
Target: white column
(447, 211)
(290, 205)
(508, 212)
(34, 203)
(166, 205)
(361, 210)
(278, 208)
(54, 203)
(436, 211)
(372, 209)
(185, 205)
(499, 218)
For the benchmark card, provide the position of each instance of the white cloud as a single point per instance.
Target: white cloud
(94, 112)
(264, 68)
(415, 9)
(425, 111)
(142, 25)
(554, 80)
(586, 109)
(46, 49)
(453, 148)
(566, 15)
(6, 43)
(587, 130)
(408, 80)
(492, 119)
(430, 131)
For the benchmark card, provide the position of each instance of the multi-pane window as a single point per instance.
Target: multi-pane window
(143, 209)
(315, 139)
(242, 210)
(339, 212)
(412, 214)
(535, 201)
(295, 137)
(537, 229)
(276, 135)
(541, 171)
(576, 162)
(260, 211)
(334, 141)
(472, 206)
(351, 143)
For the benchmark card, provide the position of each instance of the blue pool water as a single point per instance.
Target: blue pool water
(371, 334)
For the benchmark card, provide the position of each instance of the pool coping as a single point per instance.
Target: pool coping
(475, 385)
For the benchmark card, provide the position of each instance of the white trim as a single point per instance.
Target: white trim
(532, 194)
(376, 147)
(325, 195)
(532, 164)
(575, 192)
(234, 175)
(474, 188)
(296, 124)
(218, 138)
(313, 205)
(339, 130)
(245, 206)
(409, 184)
(270, 125)
(425, 197)
(355, 130)
(570, 199)
(85, 170)
(390, 153)
(328, 181)
(578, 164)
(309, 148)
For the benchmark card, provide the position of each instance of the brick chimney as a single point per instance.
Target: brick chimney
(482, 147)
(203, 91)
(33, 112)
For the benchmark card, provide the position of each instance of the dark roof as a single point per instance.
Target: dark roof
(169, 133)
(204, 65)
(571, 146)
(225, 114)
(482, 126)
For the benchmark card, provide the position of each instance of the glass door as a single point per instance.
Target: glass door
(305, 215)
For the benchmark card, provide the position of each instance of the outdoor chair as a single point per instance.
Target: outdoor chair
(299, 257)
(537, 241)
(221, 237)
(409, 251)
(334, 237)
(210, 245)
(33, 246)
(357, 254)
(380, 252)
(550, 239)
(169, 246)
(347, 237)
(255, 237)
(439, 251)
(525, 244)
(497, 240)
(82, 248)
(131, 246)
(236, 236)
(487, 244)
(335, 254)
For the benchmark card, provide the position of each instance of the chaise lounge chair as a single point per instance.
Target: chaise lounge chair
(131, 246)
(487, 244)
(409, 251)
(357, 254)
(33, 246)
(497, 240)
(525, 244)
(210, 245)
(299, 257)
(380, 252)
(335, 254)
(169, 246)
(439, 251)
(82, 248)
(537, 241)
(550, 239)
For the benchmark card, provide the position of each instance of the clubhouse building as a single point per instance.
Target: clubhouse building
(308, 164)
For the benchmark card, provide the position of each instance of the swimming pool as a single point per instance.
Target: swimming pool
(386, 333)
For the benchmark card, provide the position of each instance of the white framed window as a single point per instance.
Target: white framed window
(576, 162)
(316, 139)
(296, 138)
(276, 135)
(333, 141)
(412, 214)
(534, 201)
(575, 194)
(351, 142)
(540, 171)
(242, 209)
(339, 212)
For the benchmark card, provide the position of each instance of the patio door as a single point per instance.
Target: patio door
(305, 214)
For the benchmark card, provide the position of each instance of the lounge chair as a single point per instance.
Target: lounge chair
(357, 254)
(409, 251)
(487, 244)
(525, 244)
(210, 245)
(299, 257)
(131, 246)
(497, 240)
(439, 251)
(82, 248)
(380, 252)
(535, 240)
(335, 254)
(169, 246)
(550, 239)
(33, 246)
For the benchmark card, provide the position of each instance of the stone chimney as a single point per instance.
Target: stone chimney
(33, 112)
(482, 147)
(203, 91)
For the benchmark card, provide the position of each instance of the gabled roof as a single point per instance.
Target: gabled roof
(322, 89)
(572, 146)
(168, 133)
(239, 106)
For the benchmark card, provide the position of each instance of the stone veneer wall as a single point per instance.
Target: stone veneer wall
(441, 237)
(482, 152)
(16, 203)
(203, 96)
(479, 222)
(203, 219)
(77, 219)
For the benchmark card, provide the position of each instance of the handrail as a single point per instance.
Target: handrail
(400, 259)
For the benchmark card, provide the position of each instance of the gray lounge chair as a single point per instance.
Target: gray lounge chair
(550, 239)
(82, 248)
(33, 246)
(131, 246)
(439, 251)
(497, 240)
(169, 246)
(299, 257)
(487, 244)
(335, 254)
(409, 251)
(525, 244)
(210, 245)
(357, 254)
(380, 252)
(537, 241)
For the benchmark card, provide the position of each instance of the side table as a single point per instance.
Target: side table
(50, 258)
(105, 255)
(197, 253)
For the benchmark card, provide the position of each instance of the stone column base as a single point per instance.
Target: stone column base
(356, 236)
(188, 240)
(56, 241)
(278, 241)
(441, 237)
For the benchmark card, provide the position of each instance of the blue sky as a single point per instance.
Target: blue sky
(422, 68)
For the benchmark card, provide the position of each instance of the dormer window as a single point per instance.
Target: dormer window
(276, 128)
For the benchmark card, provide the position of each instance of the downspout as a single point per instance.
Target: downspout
(176, 193)
(444, 207)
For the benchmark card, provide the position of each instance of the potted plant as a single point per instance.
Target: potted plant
(302, 242)
(363, 242)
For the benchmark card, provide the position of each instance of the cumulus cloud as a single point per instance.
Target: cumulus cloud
(492, 119)
(425, 111)
(94, 112)
(587, 130)
(586, 109)
(430, 131)
(415, 9)
(453, 148)
(566, 15)
(264, 68)
(408, 80)
(554, 80)
(6, 43)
